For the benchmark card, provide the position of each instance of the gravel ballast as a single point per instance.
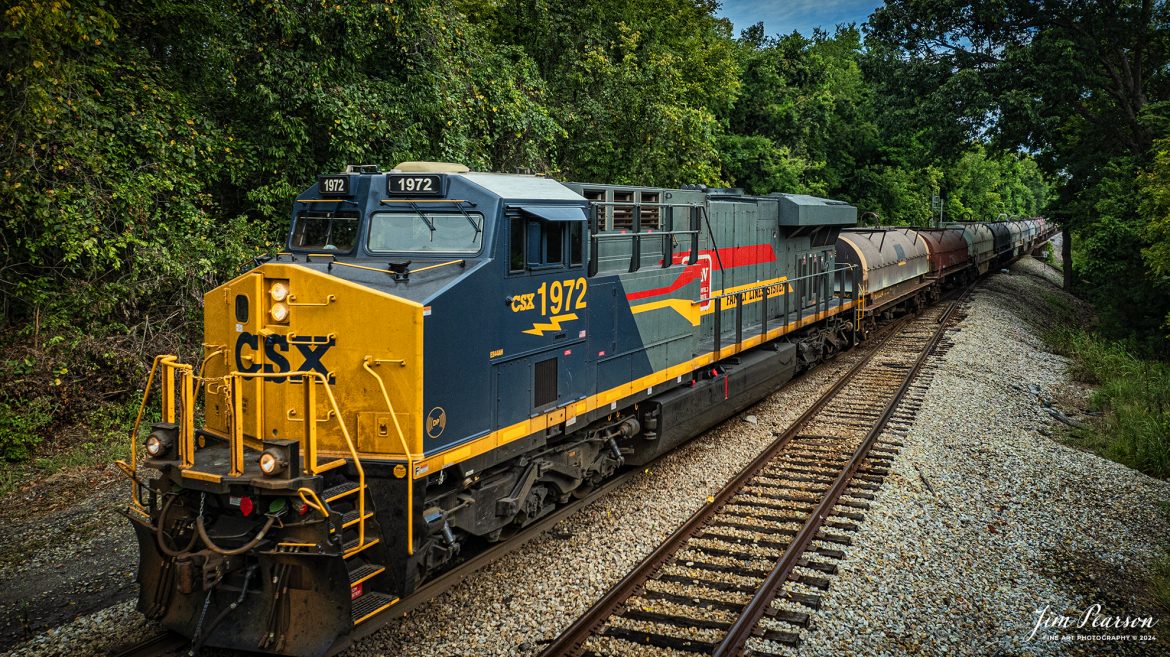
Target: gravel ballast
(1015, 522)
(515, 605)
(984, 520)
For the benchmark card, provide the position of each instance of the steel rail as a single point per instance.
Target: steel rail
(751, 614)
(572, 640)
(451, 578)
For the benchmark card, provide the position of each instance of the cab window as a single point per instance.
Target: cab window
(537, 244)
(423, 232)
(333, 232)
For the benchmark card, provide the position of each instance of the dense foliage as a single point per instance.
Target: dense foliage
(150, 148)
(1084, 87)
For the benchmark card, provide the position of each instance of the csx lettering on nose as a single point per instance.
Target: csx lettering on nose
(311, 350)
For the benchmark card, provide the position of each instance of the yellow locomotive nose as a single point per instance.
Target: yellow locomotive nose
(282, 323)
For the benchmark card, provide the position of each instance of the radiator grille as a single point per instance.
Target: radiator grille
(546, 382)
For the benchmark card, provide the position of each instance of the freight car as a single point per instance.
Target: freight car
(443, 357)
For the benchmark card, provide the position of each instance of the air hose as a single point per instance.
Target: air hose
(161, 536)
(240, 550)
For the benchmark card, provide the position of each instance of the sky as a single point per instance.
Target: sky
(784, 16)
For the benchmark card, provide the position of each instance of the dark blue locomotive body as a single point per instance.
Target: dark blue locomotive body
(474, 350)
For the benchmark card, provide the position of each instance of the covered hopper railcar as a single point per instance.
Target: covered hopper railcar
(442, 357)
(949, 253)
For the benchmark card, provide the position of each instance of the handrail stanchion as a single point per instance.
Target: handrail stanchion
(718, 325)
(667, 218)
(168, 390)
(187, 417)
(236, 437)
(695, 229)
(787, 293)
(593, 241)
(738, 318)
(405, 451)
(133, 465)
(310, 389)
(357, 462)
(764, 315)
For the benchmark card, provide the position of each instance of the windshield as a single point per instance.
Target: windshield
(325, 231)
(441, 232)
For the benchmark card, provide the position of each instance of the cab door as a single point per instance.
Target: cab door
(545, 367)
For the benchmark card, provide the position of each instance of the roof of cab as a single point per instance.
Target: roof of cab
(521, 187)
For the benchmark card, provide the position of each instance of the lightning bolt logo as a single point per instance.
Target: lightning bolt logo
(554, 324)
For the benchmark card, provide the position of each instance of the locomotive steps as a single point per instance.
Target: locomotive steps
(917, 578)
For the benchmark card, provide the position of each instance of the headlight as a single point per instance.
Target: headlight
(279, 312)
(271, 462)
(154, 445)
(160, 444)
(278, 291)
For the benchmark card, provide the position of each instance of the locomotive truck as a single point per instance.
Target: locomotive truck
(441, 357)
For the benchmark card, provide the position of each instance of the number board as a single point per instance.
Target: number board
(333, 186)
(414, 184)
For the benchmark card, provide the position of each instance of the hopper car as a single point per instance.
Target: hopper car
(441, 357)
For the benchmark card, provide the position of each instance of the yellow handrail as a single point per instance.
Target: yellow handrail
(315, 502)
(168, 364)
(311, 449)
(186, 418)
(186, 414)
(405, 451)
(137, 501)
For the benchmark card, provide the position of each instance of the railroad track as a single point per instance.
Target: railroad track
(172, 644)
(743, 574)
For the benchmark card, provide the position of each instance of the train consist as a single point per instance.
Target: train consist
(443, 357)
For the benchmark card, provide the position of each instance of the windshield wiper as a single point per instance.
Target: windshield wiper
(427, 221)
(471, 221)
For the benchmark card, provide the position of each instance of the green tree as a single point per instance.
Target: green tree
(1084, 87)
(638, 87)
(150, 150)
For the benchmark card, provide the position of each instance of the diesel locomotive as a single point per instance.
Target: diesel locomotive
(441, 357)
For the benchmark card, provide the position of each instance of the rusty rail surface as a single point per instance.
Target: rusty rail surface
(743, 627)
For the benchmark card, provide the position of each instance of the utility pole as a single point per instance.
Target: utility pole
(936, 203)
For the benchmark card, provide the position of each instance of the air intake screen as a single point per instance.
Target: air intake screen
(546, 383)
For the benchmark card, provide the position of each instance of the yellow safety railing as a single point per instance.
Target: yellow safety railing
(309, 380)
(167, 367)
(131, 467)
(366, 365)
